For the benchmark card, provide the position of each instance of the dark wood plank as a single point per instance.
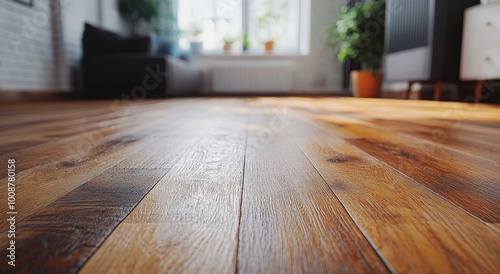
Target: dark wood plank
(291, 221)
(40, 186)
(61, 236)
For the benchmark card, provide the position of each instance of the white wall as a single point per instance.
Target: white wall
(41, 45)
(27, 58)
(318, 72)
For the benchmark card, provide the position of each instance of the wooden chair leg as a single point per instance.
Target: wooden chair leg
(479, 90)
(438, 89)
(408, 91)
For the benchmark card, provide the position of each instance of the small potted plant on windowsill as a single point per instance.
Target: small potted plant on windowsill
(228, 43)
(269, 46)
(271, 20)
(359, 34)
(196, 44)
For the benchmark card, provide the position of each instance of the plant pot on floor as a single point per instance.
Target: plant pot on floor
(365, 83)
(196, 48)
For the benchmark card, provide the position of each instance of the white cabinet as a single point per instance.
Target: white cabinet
(481, 43)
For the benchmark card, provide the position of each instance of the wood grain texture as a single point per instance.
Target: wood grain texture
(189, 222)
(450, 136)
(60, 237)
(253, 185)
(45, 173)
(470, 182)
(291, 221)
(395, 212)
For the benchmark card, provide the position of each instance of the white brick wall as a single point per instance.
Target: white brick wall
(26, 48)
(40, 45)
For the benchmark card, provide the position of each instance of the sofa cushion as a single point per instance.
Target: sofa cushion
(96, 40)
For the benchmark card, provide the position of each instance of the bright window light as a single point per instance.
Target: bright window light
(286, 22)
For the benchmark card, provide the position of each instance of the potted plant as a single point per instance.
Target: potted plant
(228, 43)
(196, 44)
(152, 17)
(269, 20)
(359, 34)
(140, 14)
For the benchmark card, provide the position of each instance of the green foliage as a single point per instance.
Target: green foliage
(229, 39)
(149, 15)
(194, 31)
(246, 40)
(359, 33)
(272, 17)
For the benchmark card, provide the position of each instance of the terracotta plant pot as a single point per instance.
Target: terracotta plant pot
(228, 47)
(365, 83)
(269, 46)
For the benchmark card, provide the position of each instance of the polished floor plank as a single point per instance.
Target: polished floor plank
(445, 137)
(57, 129)
(62, 236)
(284, 198)
(45, 182)
(110, 114)
(254, 185)
(450, 136)
(468, 181)
(188, 223)
(454, 119)
(395, 212)
(78, 144)
(81, 138)
(464, 120)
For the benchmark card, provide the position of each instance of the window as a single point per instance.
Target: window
(284, 21)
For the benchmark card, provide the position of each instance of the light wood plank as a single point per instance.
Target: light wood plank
(470, 182)
(413, 229)
(84, 142)
(122, 115)
(291, 221)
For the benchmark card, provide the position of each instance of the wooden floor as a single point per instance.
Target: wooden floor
(252, 185)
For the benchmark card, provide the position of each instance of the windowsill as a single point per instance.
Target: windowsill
(244, 55)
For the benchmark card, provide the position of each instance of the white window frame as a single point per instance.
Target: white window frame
(304, 31)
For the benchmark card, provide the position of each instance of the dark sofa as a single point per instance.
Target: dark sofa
(136, 67)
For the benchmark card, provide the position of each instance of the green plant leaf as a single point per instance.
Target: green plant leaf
(359, 33)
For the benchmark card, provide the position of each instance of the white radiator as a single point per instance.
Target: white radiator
(252, 76)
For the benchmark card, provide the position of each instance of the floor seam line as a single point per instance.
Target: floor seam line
(241, 199)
